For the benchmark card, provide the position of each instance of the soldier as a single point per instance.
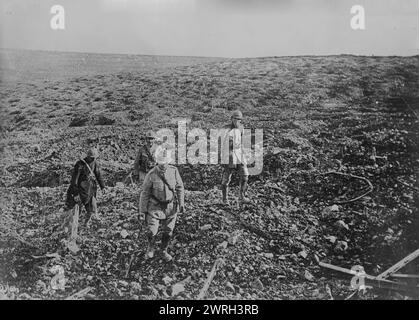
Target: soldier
(161, 199)
(144, 161)
(83, 186)
(236, 160)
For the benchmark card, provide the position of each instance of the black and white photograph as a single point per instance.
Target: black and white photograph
(221, 152)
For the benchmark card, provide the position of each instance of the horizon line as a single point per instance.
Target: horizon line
(208, 57)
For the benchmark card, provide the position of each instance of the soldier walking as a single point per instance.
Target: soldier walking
(162, 198)
(83, 186)
(236, 160)
(144, 161)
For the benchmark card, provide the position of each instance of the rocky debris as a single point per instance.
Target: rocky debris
(124, 233)
(230, 287)
(258, 285)
(167, 280)
(205, 227)
(342, 224)
(177, 289)
(232, 240)
(298, 216)
(223, 245)
(341, 246)
(308, 275)
(302, 254)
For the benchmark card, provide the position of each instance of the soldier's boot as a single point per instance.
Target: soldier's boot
(164, 245)
(224, 189)
(243, 191)
(151, 247)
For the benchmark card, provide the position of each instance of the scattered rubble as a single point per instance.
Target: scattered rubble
(325, 146)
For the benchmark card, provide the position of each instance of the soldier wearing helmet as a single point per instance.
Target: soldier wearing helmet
(145, 158)
(83, 186)
(236, 161)
(162, 198)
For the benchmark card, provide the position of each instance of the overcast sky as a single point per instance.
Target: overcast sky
(224, 28)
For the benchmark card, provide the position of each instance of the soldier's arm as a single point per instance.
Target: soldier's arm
(180, 190)
(242, 147)
(98, 174)
(145, 194)
(225, 145)
(74, 179)
(137, 162)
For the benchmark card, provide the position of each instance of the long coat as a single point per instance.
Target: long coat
(83, 185)
(156, 191)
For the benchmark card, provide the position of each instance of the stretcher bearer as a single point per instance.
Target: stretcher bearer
(162, 198)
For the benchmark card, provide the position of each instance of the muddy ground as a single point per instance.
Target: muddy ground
(357, 116)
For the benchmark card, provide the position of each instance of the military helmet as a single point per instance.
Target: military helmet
(236, 114)
(150, 135)
(92, 152)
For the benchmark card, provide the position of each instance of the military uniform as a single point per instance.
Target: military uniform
(143, 163)
(160, 201)
(84, 185)
(236, 161)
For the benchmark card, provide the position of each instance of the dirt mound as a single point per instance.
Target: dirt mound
(104, 121)
(79, 121)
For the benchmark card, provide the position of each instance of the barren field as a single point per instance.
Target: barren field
(331, 126)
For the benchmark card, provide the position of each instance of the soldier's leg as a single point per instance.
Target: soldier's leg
(225, 181)
(244, 178)
(89, 210)
(140, 180)
(141, 177)
(168, 225)
(152, 229)
(94, 208)
(69, 201)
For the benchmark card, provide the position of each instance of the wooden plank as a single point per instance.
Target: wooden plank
(399, 265)
(343, 270)
(75, 223)
(394, 286)
(373, 281)
(405, 276)
(71, 243)
(336, 268)
(211, 275)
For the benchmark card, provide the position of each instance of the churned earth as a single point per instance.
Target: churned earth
(339, 181)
